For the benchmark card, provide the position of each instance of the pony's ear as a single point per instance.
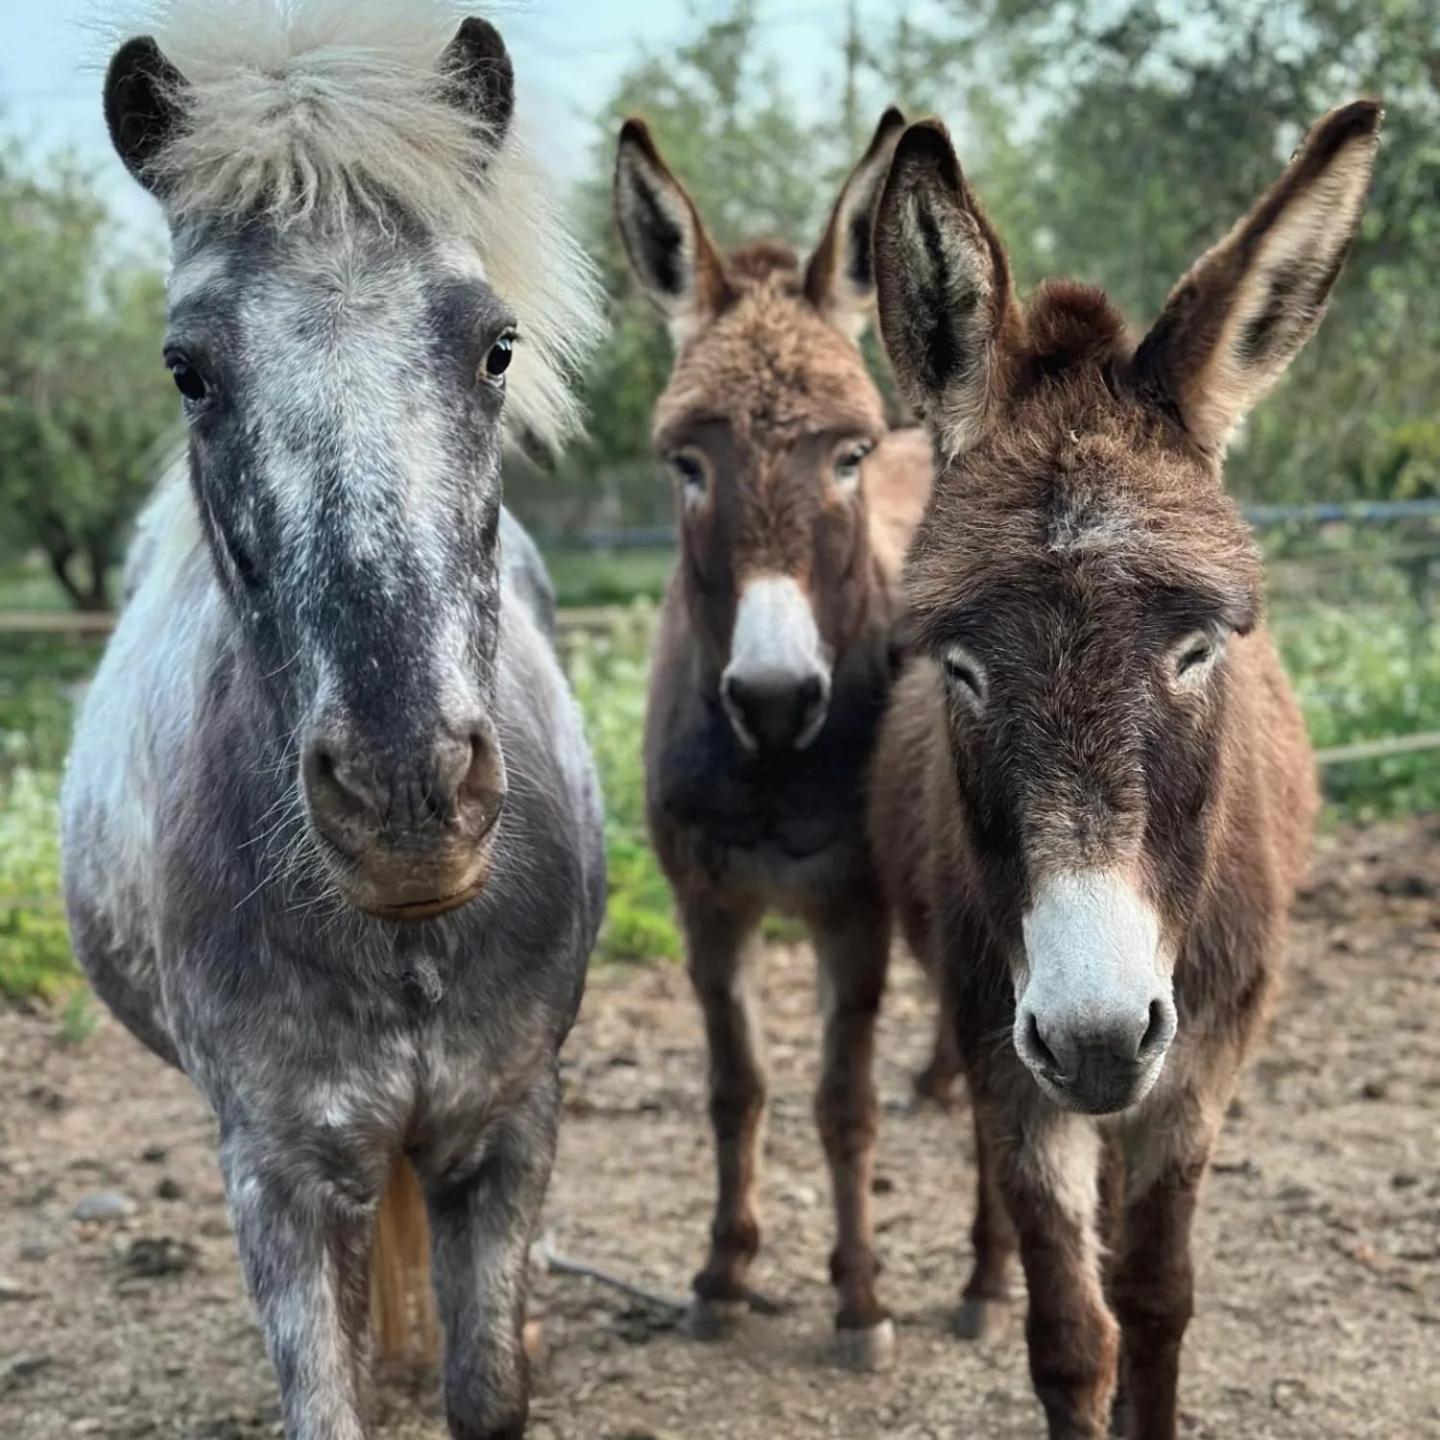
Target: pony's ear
(1232, 325)
(947, 309)
(840, 278)
(142, 107)
(477, 67)
(670, 251)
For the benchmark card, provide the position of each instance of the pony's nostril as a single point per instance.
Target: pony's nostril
(482, 788)
(811, 692)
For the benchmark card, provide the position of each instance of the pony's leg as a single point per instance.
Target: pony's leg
(1153, 1283)
(852, 940)
(484, 1193)
(984, 1306)
(304, 1234)
(720, 950)
(1049, 1166)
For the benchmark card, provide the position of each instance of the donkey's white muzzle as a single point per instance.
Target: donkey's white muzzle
(776, 688)
(1096, 1014)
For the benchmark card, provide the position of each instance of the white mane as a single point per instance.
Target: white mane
(316, 112)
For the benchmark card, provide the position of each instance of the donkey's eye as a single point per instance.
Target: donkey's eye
(499, 356)
(1194, 655)
(847, 467)
(188, 380)
(964, 676)
(689, 471)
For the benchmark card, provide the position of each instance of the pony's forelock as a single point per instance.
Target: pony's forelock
(325, 113)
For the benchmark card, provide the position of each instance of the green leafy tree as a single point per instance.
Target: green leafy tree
(85, 405)
(756, 168)
(1113, 142)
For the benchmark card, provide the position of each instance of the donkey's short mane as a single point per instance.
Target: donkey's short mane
(320, 114)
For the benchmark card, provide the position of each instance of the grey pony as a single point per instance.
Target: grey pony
(332, 704)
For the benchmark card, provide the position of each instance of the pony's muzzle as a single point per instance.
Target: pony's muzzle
(412, 836)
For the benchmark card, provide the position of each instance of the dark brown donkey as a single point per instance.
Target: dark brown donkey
(771, 669)
(1093, 795)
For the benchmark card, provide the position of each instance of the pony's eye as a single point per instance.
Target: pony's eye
(188, 380)
(689, 471)
(847, 467)
(964, 675)
(499, 355)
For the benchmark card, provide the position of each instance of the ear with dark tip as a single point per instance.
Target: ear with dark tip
(670, 251)
(477, 68)
(840, 277)
(947, 309)
(1237, 319)
(141, 106)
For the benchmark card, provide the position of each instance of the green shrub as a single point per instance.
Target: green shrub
(608, 672)
(34, 945)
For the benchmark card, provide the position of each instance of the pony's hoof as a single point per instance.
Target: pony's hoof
(714, 1319)
(532, 1339)
(981, 1318)
(870, 1349)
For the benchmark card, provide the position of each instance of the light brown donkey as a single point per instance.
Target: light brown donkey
(771, 669)
(1093, 795)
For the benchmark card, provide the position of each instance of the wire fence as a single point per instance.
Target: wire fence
(1356, 564)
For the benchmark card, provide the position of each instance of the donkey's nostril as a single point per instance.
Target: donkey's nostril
(1154, 1032)
(777, 711)
(1042, 1052)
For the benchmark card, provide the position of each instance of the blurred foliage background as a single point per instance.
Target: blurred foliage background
(1111, 141)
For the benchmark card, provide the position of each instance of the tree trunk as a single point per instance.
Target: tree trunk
(90, 595)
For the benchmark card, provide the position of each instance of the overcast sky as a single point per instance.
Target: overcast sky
(568, 55)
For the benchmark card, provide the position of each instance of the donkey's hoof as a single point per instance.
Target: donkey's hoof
(981, 1318)
(872, 1348)
(935, 1087)
(714, 1319)
(532, 1339)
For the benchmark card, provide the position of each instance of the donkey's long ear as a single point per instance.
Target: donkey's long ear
(1232, 325)
(947, 309)
(142, 107)
(477, 68)
(840, 278)
(670, 251)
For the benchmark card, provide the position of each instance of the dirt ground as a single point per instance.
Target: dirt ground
(1318, 1248)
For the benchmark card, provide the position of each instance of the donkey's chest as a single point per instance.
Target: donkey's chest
(792, 820)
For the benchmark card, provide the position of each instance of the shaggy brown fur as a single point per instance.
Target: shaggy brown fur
(1098, 696)
(786, 475)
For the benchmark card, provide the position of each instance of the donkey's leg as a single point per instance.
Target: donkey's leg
(303, 1231)
(484, 1199)
(720, 948)
(937, 1080)
(1153, 1283)
(984, 1307)
(1049, 1174)
(853, 943)
(1112, 1239)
